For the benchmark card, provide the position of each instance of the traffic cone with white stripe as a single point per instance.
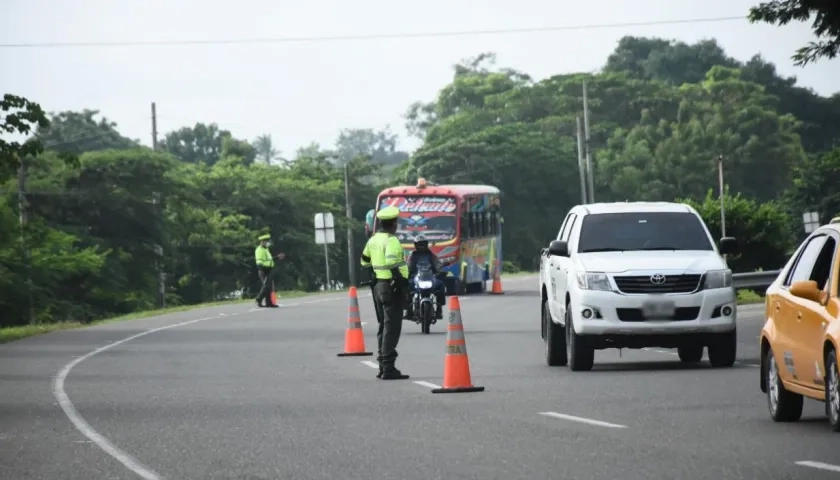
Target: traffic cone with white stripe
(354, 338)
(456, 363)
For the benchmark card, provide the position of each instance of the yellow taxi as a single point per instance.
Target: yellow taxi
(801, 337)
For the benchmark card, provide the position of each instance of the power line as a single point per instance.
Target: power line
(377, 36)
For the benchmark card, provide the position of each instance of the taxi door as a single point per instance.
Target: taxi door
(815, 317)
(790, 348)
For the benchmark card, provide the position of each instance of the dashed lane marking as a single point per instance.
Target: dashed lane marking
(819, 465)
(590, 421)
(426, 384)
(370, 364)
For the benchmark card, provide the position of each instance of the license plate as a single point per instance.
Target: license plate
(661, 310)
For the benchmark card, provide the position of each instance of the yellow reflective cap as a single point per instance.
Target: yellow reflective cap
(388, 213)
(265, 237)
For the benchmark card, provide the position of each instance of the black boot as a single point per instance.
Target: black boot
(259, 302)
(439, 312)
(393, 374)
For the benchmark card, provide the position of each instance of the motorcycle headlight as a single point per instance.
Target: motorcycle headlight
(718, 279)
(593, 281)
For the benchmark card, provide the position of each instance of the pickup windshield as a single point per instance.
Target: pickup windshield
(613, 232)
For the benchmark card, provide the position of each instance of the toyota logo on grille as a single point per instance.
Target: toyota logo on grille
(657, 279)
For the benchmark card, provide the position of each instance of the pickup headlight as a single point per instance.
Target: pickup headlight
(593, 281)
(718, 279)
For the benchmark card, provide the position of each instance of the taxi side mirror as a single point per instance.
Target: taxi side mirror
(808, 290)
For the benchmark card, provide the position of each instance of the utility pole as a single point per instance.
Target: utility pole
(591, 173)
(581, 166)
(154, 127)
(156, 202)
(351, 248)
(24, 220)
(720, 186)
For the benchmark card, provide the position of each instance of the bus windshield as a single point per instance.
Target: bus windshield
(435, 217)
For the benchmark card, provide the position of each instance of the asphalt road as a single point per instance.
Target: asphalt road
(239, 393)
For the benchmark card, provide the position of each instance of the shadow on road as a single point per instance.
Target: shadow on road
(660, 365)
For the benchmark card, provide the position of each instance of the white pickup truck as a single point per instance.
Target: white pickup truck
(636, 275)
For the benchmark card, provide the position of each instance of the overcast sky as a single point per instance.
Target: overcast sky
(307, 91)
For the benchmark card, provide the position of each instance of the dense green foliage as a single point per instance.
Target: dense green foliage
(661, 114)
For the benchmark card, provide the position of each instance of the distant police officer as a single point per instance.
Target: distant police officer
(384, 255)
(265, 264)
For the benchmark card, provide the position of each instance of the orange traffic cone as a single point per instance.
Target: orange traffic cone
(497, 281)
(456, 363)
(274, 297)
(354, 339)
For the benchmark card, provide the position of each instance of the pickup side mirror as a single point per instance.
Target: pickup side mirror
(558, 248)
(808, 290)
(728, 245)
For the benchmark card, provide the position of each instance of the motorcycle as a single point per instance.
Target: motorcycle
(423, 300)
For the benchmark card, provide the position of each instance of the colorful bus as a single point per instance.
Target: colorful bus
(463, 224)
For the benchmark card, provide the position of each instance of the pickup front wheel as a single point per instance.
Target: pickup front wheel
(555, 340)
(581, 355)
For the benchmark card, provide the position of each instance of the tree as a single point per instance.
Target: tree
(815, 187)
(20, 117)
(380, 146)
(200, 143)
(79, 132)
(762, 230)
(266, 152)
(826, 24)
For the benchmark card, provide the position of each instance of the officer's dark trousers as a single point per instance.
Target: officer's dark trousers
(388, 335)
(267, 284)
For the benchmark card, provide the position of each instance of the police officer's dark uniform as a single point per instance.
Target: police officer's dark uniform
(383, 253)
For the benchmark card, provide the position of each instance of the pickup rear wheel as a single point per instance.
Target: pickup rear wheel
(784, 406)
(581, 356)
(555, 339)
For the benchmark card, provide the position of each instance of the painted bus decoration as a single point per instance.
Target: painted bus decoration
(463, 224)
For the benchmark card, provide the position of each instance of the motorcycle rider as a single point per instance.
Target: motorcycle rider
(423, 256)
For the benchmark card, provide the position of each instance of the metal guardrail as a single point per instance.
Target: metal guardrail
(758, 280)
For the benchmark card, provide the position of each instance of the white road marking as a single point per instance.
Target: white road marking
(819, 465)
(81, 424)
(590, 421)
(121, 456)
(426, 384)
(364, 323)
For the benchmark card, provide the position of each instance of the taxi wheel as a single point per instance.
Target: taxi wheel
(581, 356)
(555, 340)
(784, 406)
(724, 349)
(832, 391)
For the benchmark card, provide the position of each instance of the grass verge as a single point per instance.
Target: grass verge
(748, 297)
(10, 334)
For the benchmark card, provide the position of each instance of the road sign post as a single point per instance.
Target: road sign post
(325, 235)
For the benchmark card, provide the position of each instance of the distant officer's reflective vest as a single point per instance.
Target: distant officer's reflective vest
(384, 253)
(263, 257)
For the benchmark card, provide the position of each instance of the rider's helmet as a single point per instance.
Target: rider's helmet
(420, 243)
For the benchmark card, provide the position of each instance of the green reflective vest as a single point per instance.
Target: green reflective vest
(383, 253)
(263, 257)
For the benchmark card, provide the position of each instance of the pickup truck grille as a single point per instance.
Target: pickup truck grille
(636, 315)
(643, 284)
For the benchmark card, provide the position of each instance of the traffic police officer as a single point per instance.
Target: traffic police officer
(383, 253)
(265, 264)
